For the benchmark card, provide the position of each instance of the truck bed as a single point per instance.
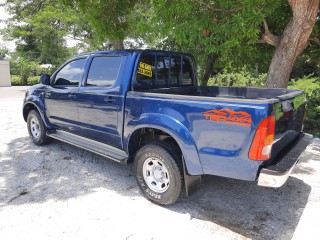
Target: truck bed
(223, 145)
(266, 95)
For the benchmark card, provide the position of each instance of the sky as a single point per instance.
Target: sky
(4, 16)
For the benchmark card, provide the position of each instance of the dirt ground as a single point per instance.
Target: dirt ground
(61, 192)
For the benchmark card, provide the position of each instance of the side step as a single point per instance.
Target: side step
(90, 145)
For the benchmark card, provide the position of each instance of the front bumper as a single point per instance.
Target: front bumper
(276, 175)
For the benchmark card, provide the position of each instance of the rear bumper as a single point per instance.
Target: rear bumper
(276, 175)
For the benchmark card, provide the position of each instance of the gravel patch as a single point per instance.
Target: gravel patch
(59, 191)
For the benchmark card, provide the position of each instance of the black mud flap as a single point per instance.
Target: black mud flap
(192, 183)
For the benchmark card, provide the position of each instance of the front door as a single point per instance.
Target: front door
(61, 96)
(100, 101)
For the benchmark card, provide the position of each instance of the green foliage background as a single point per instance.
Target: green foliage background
(311, 85)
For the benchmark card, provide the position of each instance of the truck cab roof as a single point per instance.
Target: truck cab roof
(131, 51)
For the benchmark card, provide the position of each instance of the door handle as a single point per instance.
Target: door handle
(71, 96)
(109, 99)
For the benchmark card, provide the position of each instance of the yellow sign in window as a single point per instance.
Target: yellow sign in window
(145, 69)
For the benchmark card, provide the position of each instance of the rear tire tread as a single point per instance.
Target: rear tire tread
(172, 154)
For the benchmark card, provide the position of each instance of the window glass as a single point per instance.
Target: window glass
(71, 74)
(175, 70)
(162, 71)
(103, 71)
(187, 74)
(145, 78)
(155, 71)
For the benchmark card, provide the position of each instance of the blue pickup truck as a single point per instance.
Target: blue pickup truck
(145, 107)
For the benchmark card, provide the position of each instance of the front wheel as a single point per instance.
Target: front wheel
(36, 128)
(159, 173)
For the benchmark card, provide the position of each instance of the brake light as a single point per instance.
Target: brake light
(262, 142)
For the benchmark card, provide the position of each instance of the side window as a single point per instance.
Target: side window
(145, 78)
(187, 74)
(175, 70)
(163, 71)
(103, 71)
(71, 74)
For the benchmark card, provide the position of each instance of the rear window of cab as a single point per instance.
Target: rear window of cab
(164, 71)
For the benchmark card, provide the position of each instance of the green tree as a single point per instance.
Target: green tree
(292, 42)
(23, 68)
(227, 32)
(40, 29)
(222, 34)
(109, 18)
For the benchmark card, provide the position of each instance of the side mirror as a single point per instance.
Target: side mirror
(45, 79)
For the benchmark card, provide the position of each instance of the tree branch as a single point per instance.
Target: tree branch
(315, 40)
(211, 7)
(268, 37)
(291, 3)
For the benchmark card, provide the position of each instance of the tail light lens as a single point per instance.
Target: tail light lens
(262, 142)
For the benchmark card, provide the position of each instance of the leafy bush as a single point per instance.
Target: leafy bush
(24, 69)
(242, 78)
(311, 85)
(16, 80)
(33, 80)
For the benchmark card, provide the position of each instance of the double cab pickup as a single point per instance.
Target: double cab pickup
(145, 107)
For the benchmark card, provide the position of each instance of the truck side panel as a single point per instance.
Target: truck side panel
(222, 131)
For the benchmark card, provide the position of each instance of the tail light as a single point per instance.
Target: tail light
(262, 142)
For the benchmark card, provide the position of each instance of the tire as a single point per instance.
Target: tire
(36, 128)
(159, 173)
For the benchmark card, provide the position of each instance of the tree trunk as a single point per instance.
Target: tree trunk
(209, 67)
(118, 45)
(293, 41)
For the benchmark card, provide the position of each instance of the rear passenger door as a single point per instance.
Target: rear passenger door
(99, 101)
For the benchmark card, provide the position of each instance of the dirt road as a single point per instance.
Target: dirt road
(62, 192)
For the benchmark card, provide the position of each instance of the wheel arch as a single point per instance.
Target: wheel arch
(171, 128)
(28, 106)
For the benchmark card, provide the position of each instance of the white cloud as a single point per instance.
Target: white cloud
(3, 16)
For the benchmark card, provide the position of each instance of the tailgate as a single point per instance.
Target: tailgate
(289, 112)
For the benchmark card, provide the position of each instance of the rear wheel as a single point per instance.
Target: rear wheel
(159, 173)
(36, 128)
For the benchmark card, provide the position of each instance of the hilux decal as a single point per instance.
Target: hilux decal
(145, 69)
(228, 116)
